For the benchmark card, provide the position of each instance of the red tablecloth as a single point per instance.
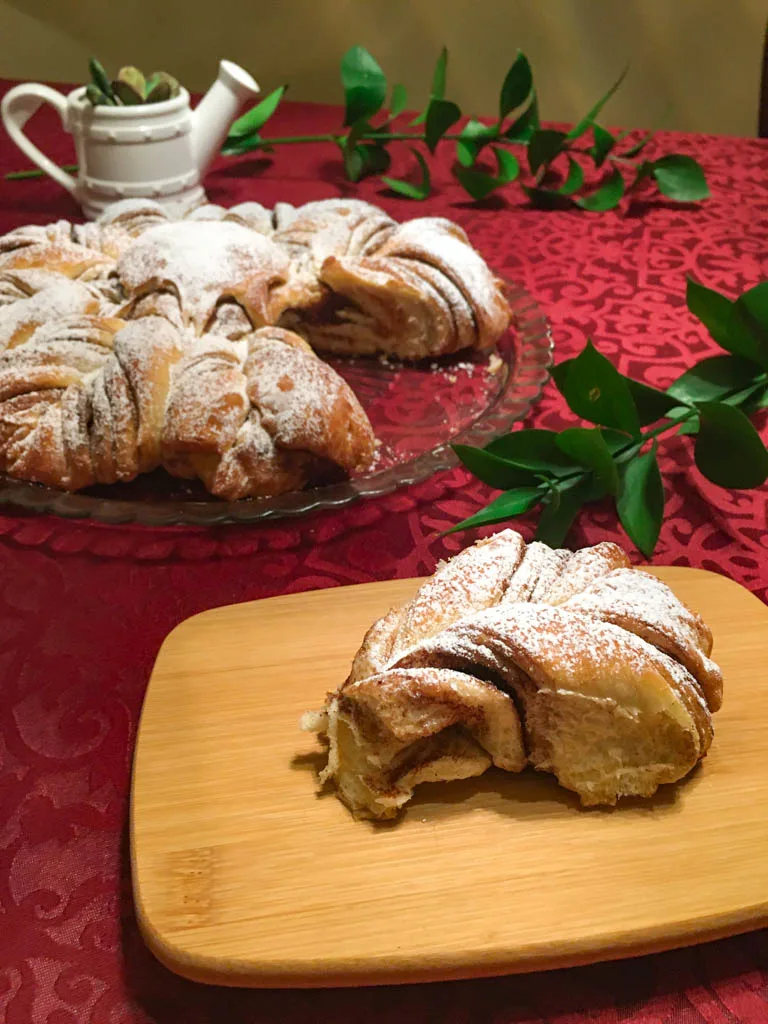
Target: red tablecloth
(84, 608)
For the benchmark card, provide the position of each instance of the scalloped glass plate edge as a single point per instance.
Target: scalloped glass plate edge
(533, 352)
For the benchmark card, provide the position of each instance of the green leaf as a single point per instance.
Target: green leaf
(353, 162)
(407, 188)
(586, 122)
(758, 400)
(544, 146)
(474, 135)
(365, 86)
(441, 115)
(95, 96)
(133, 77)
(651, 404)
(480, 184)
(161, 91)
(638, 146)
(640, 503)
(606, 197)
(129, 86)
(493, 470)
(728, 449)
(518, 85)
(755, 301)
(712, 378)
(735, 326)
(617, 440)
(257, 116)
(506, 506)
(524, 127)
(127, 94)
(398, 102)
(536, 450)
(440, 74)
(574, 179)
(604, 143)
(101, 79)
(596, 391)
(747, 398)
(690, 426)
(507, 164)
(713, 309)
(437, 90)
(561, 509)
(151, 82)
(749, 318)
(681, 178)
(364, 159)
(376, 159)
(641, 173)
(587, 447)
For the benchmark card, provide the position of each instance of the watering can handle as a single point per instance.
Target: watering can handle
(17, 107)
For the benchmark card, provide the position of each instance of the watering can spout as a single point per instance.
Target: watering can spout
(218, 109)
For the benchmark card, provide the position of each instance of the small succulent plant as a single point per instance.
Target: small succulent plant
(130, 88)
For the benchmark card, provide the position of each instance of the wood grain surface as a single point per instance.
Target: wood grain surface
(244, 876)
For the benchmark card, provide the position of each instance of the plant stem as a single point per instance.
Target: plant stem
(373, 136)
(669, 424)
(21, 175)
(282, 140)
(290, 139)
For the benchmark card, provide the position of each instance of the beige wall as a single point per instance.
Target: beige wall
(695, 64)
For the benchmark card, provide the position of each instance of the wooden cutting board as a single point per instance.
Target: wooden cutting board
(244, 876)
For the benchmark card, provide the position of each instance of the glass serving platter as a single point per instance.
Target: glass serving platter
(417, 412)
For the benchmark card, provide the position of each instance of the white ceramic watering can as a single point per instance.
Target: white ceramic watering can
(154, 151)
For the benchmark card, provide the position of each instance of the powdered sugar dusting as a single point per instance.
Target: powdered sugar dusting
(220, 270)
(438, 242)
(642, 603)
(487, 596)
(59, 231)
(587, 565)
(62, 298)
(469, 582)
(293, 390)
(205, 261)
(589, 655)
(627, 592)
(554, 647)
(333, 228)
(21, 284)
(252, 215)
(134, 215)
(537, 572)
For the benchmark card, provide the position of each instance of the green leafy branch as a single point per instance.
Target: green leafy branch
(553, 170)
(560, 472)
(586, 167)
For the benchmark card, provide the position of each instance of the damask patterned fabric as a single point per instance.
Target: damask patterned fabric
(84, 608)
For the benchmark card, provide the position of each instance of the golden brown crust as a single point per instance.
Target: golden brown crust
(68, 258)
(48, 297)
(275, 415)
(642, 604)
(413, 290)
(610, 671)
(251, 421)
(82, 402)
